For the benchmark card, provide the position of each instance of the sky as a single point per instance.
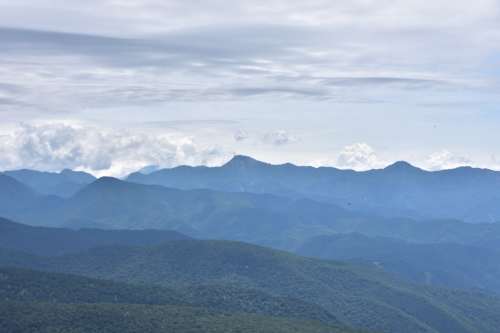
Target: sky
(111, 86)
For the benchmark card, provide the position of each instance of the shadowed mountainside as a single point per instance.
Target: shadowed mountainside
(358, 297)
(58, 241)
(450, 265)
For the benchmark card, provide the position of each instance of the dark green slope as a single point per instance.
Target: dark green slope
(359, 298)
(124, 318)
(450, 265)
(57, 241)
(21, 285)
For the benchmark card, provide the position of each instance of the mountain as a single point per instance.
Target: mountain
(399, 190)
(29, 286)
(280, 222)
(485, 235)
(58, 241)
(19, 201)
(20, 285)
(360, 297)
(109, 203)
(264, 219)
(63, 184)
(14, 195)
(450, 265)
(149, 169)
(132, 318)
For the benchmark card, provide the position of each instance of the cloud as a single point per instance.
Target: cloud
(395, 82)
(445, 159)
(278, 138)
(114, 53)
(140, 60)
(55, 146)
(240, 135)
(358, 156)
(283, 91)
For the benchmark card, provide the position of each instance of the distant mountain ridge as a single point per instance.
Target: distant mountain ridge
(19, 201)
(399, 190)
(63, 184)
(109, 203)
(58, 241)
(277, 221)
(443, 264)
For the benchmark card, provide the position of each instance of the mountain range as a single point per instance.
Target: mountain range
(357, 296)
(251, 247)
(399, 190)
(444, 264)
(63, 184)
(284, 222)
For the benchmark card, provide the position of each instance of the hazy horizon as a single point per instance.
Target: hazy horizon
(153, 168)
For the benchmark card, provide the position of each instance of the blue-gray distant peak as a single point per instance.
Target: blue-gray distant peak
(107, 180)
(104, 185)
(242, 160)
(402, 166)
(78, 176)
(149, 169)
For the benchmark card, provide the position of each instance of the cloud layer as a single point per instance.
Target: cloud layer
(445, 159)
(113, 53)
(358, 156)
(56, 146)
(360, 70)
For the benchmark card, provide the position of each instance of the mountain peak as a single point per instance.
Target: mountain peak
(77, 176)
(103, 184)
(107, 180)
(149, 169)
(402, 166)
(106, 183)
(242, 160)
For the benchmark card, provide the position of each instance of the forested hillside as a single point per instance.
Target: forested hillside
(357, 297)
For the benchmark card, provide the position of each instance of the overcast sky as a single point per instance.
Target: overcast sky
(110, 86)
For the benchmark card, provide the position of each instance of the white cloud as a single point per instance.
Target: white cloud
(240, 135)
(445, 159)
(214, 50)
(54, 146)
(251, 57)
(358, 156)
(279, 138)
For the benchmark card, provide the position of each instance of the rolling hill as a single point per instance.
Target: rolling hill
(450, 265)
(28, 286)
(57, 241)
(125, 318)
(357, 296)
